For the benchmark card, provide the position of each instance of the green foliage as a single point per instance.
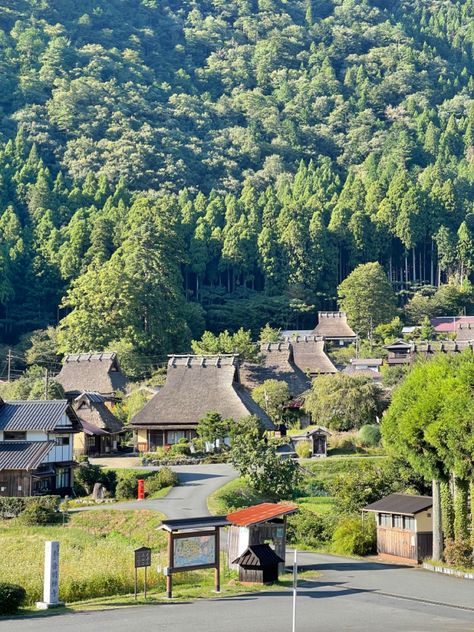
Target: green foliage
(271, 396)
(13, 506)
(303, 449)
(12, 598)
(240, 342)
(367, 297)
(212, 427)
(458, 553)
(389, 332)
(32, 385)
(343, 401)
(269, 334)
(36, 513)
(310, 529)
(163, 478)
(87, 475)
(369, 435)
(354, 536)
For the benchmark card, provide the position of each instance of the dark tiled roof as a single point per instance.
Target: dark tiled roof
(401, 504)
(23, 455)
(333, 325)
(182, 524)
(33, 415)
(96, 372)
(258, 556)
(91, 429)
(196, 385)
(275, 363)
(260, 513)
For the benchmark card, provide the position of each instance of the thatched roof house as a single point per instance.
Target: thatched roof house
(101, 428)
(96, 372)
(309, 356)
(334, 326)
(275, 363)
(464, 332)
(195, 385)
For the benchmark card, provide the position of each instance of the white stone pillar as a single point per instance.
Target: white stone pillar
(51, 577)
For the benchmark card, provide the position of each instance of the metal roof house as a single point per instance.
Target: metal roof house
(195, 385)
(96, 372)
(333, 326)
(36, 447)
(276, 362)
(404, 526)
(101, 428)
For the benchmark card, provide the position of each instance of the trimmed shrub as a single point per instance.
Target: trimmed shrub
(303, 449)
(310, 529)
(127, 487)
(12, 597)
(12, 506)
(35, 513)
(178, 449)
(167, 477)
(458, 553)
(354, 536)
(369, 435)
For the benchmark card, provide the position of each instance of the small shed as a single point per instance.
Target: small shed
(404, 526)
(261, 524)
(318, 440)
(258, 564)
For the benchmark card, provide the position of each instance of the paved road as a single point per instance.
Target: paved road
(351, 595)
(188, 500)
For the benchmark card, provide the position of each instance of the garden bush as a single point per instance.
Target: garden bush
(36, 513)
(303, 449)
(354, 536)
(369, 435)
(178, 449)
(12, 506)
(127, 487)
(87, 475)
(458, 553)
(164, 478)
(12, 597)
(311, 530)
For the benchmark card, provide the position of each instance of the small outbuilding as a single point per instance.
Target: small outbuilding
(404, 526)
(318, 440)
(258, 564)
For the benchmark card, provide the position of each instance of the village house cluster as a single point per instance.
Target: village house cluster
(40, 440)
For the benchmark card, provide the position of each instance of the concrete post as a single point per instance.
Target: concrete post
(51, 577)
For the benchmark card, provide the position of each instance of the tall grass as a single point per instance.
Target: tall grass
(96, 553)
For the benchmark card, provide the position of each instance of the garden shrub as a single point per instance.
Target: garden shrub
(12, 506)
(178, 449)
(354, 536)
(458, 553)
(369, 435)
(36, 513)
(87, 475)
(303, 449)
(310, 529)
(167, 477)
(127, 487)
(12, 597)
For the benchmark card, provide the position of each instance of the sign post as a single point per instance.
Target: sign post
(295, 587)
(142, 560)
(51, 577)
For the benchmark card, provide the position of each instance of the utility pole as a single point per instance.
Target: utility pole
(46, 384)
(9, 364)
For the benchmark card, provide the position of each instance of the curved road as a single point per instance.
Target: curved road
(189, 499)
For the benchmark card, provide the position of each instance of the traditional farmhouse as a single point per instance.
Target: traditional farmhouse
(309, 356)
(317, 438)
(399, 352)
(36, 447)
(445, 325)
(195, 385)
(92, 372)
(275, 363)
(404, 526)
(368, 367)
(333, 326)
(101, 430)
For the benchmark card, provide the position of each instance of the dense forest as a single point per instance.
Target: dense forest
(175, 165)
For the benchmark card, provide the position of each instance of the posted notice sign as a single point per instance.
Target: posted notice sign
(142, 557)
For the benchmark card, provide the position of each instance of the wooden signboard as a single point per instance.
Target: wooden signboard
(142, 560)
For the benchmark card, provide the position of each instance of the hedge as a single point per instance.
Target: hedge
(12, 506)
(12, 597)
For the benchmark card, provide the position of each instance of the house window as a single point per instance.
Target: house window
(62, 477)
(62, 440)
(174, 436)
(14, 436)
(385, 520)
(397, 521)
(409, 523)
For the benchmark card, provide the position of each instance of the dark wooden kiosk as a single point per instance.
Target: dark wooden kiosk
(193, 544)
(404, 526)
(258, 564)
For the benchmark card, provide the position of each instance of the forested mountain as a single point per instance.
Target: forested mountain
(173, 164)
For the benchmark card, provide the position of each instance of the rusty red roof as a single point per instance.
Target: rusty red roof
(260, 513)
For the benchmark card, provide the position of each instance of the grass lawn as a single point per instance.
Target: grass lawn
(233, 495)
(317, 504)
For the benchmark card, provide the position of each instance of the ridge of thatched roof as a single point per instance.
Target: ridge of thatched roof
(196, 385)
(309, 356)
(464, 332)
(98, 372)
(92, 409)
(275, 363)
(333, 325)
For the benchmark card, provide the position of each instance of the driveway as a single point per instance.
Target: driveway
(350, 596)
(188, 500)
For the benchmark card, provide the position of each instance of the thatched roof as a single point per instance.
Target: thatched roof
(275, 363)
(196, 385)
(98, 372)
(309, 356)
(464, 332)
(333, 326)
(92, 409)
